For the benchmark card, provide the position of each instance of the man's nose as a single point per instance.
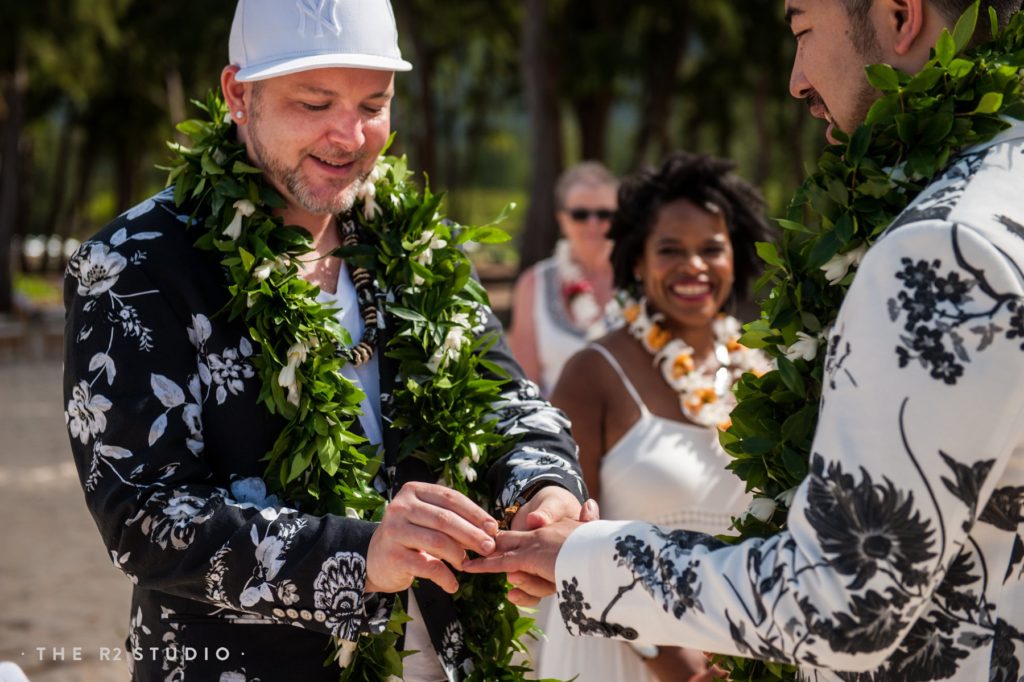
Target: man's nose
(799, 87)
(347, 131)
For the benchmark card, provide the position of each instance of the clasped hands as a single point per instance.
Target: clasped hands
(428, 528)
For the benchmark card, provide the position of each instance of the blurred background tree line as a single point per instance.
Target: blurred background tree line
(504, 95)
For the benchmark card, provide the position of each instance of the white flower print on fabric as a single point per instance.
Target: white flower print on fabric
(85, 415)
(452, 650)
(524, 410)
(225, 371)
(170, 396)
(149, 204)
(216, 592)
(170, 517)
(270, 558)
(229, 369)
(532, 465)
(96, 268)
(338, 591)
(135, 631)
(119, 563)
(105, 454)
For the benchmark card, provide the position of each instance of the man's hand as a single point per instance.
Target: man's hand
(528, 588)
(550, 503)
(424, 526)
(532, 553)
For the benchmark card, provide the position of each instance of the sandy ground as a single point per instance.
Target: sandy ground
(58, 590)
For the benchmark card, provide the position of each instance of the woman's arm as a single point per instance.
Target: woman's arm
(522, 333)
(581, 394)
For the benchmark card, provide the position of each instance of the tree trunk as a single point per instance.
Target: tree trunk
(763, 164)
(176, 103)
(592, 114)
(75, 224)
(17, 87)
(426, 145)
(540, 231)
(126, 169)
(53, 223)
(668, 46)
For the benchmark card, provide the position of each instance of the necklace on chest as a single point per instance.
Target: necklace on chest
(705, 391)
(578, 293)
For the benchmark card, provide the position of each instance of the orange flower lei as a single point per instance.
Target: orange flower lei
(705, 394)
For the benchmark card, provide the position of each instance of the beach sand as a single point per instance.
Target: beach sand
(61, 597)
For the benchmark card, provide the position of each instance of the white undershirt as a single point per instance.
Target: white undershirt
(423, 666)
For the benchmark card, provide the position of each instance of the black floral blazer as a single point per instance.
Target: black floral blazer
(904, 557)
(167, 432)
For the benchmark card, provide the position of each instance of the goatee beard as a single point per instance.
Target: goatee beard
(291, 179)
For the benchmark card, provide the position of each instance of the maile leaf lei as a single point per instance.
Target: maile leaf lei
(435, 309)
(960, 98)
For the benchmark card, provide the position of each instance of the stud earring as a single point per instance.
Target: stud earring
(239, 114)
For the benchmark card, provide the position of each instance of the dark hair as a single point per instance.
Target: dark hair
(702, 180)
(864, 37)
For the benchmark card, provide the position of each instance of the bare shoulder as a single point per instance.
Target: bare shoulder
(586, 375)
(527, 281)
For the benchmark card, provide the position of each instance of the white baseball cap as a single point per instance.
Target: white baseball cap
(276, 37)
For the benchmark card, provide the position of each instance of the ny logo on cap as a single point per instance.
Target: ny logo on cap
(321, 13)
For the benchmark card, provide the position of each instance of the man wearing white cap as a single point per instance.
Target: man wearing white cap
(165, 405)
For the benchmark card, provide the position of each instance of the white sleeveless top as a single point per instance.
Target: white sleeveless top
(667, 472)
(557, 338)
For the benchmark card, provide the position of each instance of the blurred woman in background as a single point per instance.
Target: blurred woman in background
(559, 303)
(647, 400)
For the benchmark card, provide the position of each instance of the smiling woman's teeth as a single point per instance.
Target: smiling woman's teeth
(690, 289)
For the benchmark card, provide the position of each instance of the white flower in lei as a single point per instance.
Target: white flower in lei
(805, 348)
(346, 652)
(286, 377)
(761, 508)
(839, 265)
(243, 209)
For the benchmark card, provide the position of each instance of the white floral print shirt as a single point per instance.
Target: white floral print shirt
(904, 556)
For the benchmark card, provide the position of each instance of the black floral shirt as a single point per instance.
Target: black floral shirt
(904, 557)
(167, 431)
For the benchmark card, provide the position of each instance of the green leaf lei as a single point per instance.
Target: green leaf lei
(960, 98)
(424, 284)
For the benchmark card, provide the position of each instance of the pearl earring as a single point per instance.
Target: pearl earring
(239, 114)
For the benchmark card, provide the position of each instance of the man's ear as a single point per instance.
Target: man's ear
(901, 24)
(236, 95)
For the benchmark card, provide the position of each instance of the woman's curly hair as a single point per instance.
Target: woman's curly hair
(702, 180)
